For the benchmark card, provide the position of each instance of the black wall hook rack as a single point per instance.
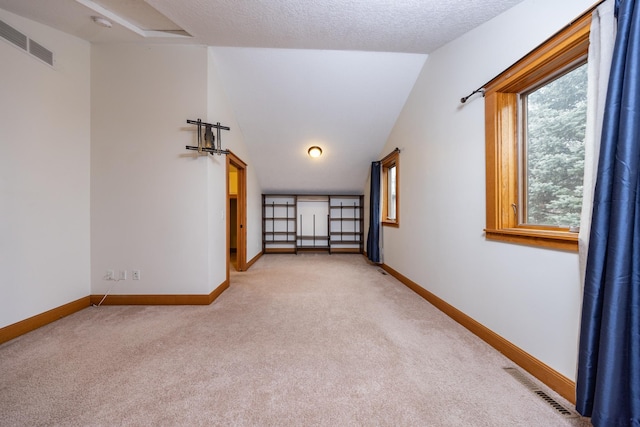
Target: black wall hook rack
(206, 139)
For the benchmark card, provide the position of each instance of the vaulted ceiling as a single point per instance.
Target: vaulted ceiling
(334, 73)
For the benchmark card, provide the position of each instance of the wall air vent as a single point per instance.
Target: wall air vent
(28, 45)
(12, 35)
(40, 52)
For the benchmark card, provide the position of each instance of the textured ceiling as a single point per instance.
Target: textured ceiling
(297, 72)
(417, 26)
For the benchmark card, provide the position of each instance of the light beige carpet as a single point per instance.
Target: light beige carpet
(306, 340)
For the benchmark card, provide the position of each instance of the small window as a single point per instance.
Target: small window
(390, 181)
(391, 189)
(535, 124)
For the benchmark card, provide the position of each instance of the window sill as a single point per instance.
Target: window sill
(563, 240)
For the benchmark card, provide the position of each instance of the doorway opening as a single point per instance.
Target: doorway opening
(236, 214)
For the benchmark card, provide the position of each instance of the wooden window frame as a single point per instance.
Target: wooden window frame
(391, 160)
(568, 47)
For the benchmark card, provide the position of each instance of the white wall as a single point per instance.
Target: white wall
(220, 110)
(44, 174)
(530, 296)
(156, 207)
(149, 203)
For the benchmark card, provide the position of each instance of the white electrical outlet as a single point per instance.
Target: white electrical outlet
(135, 274)
(109, 275)
(122, 275)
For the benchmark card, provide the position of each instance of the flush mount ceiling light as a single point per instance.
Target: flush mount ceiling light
(315, 151)
(103, 22)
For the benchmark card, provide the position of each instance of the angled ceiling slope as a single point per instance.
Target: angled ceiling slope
(287, 100)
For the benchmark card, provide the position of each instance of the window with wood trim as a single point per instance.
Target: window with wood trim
(390, 186)
(535, 116)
